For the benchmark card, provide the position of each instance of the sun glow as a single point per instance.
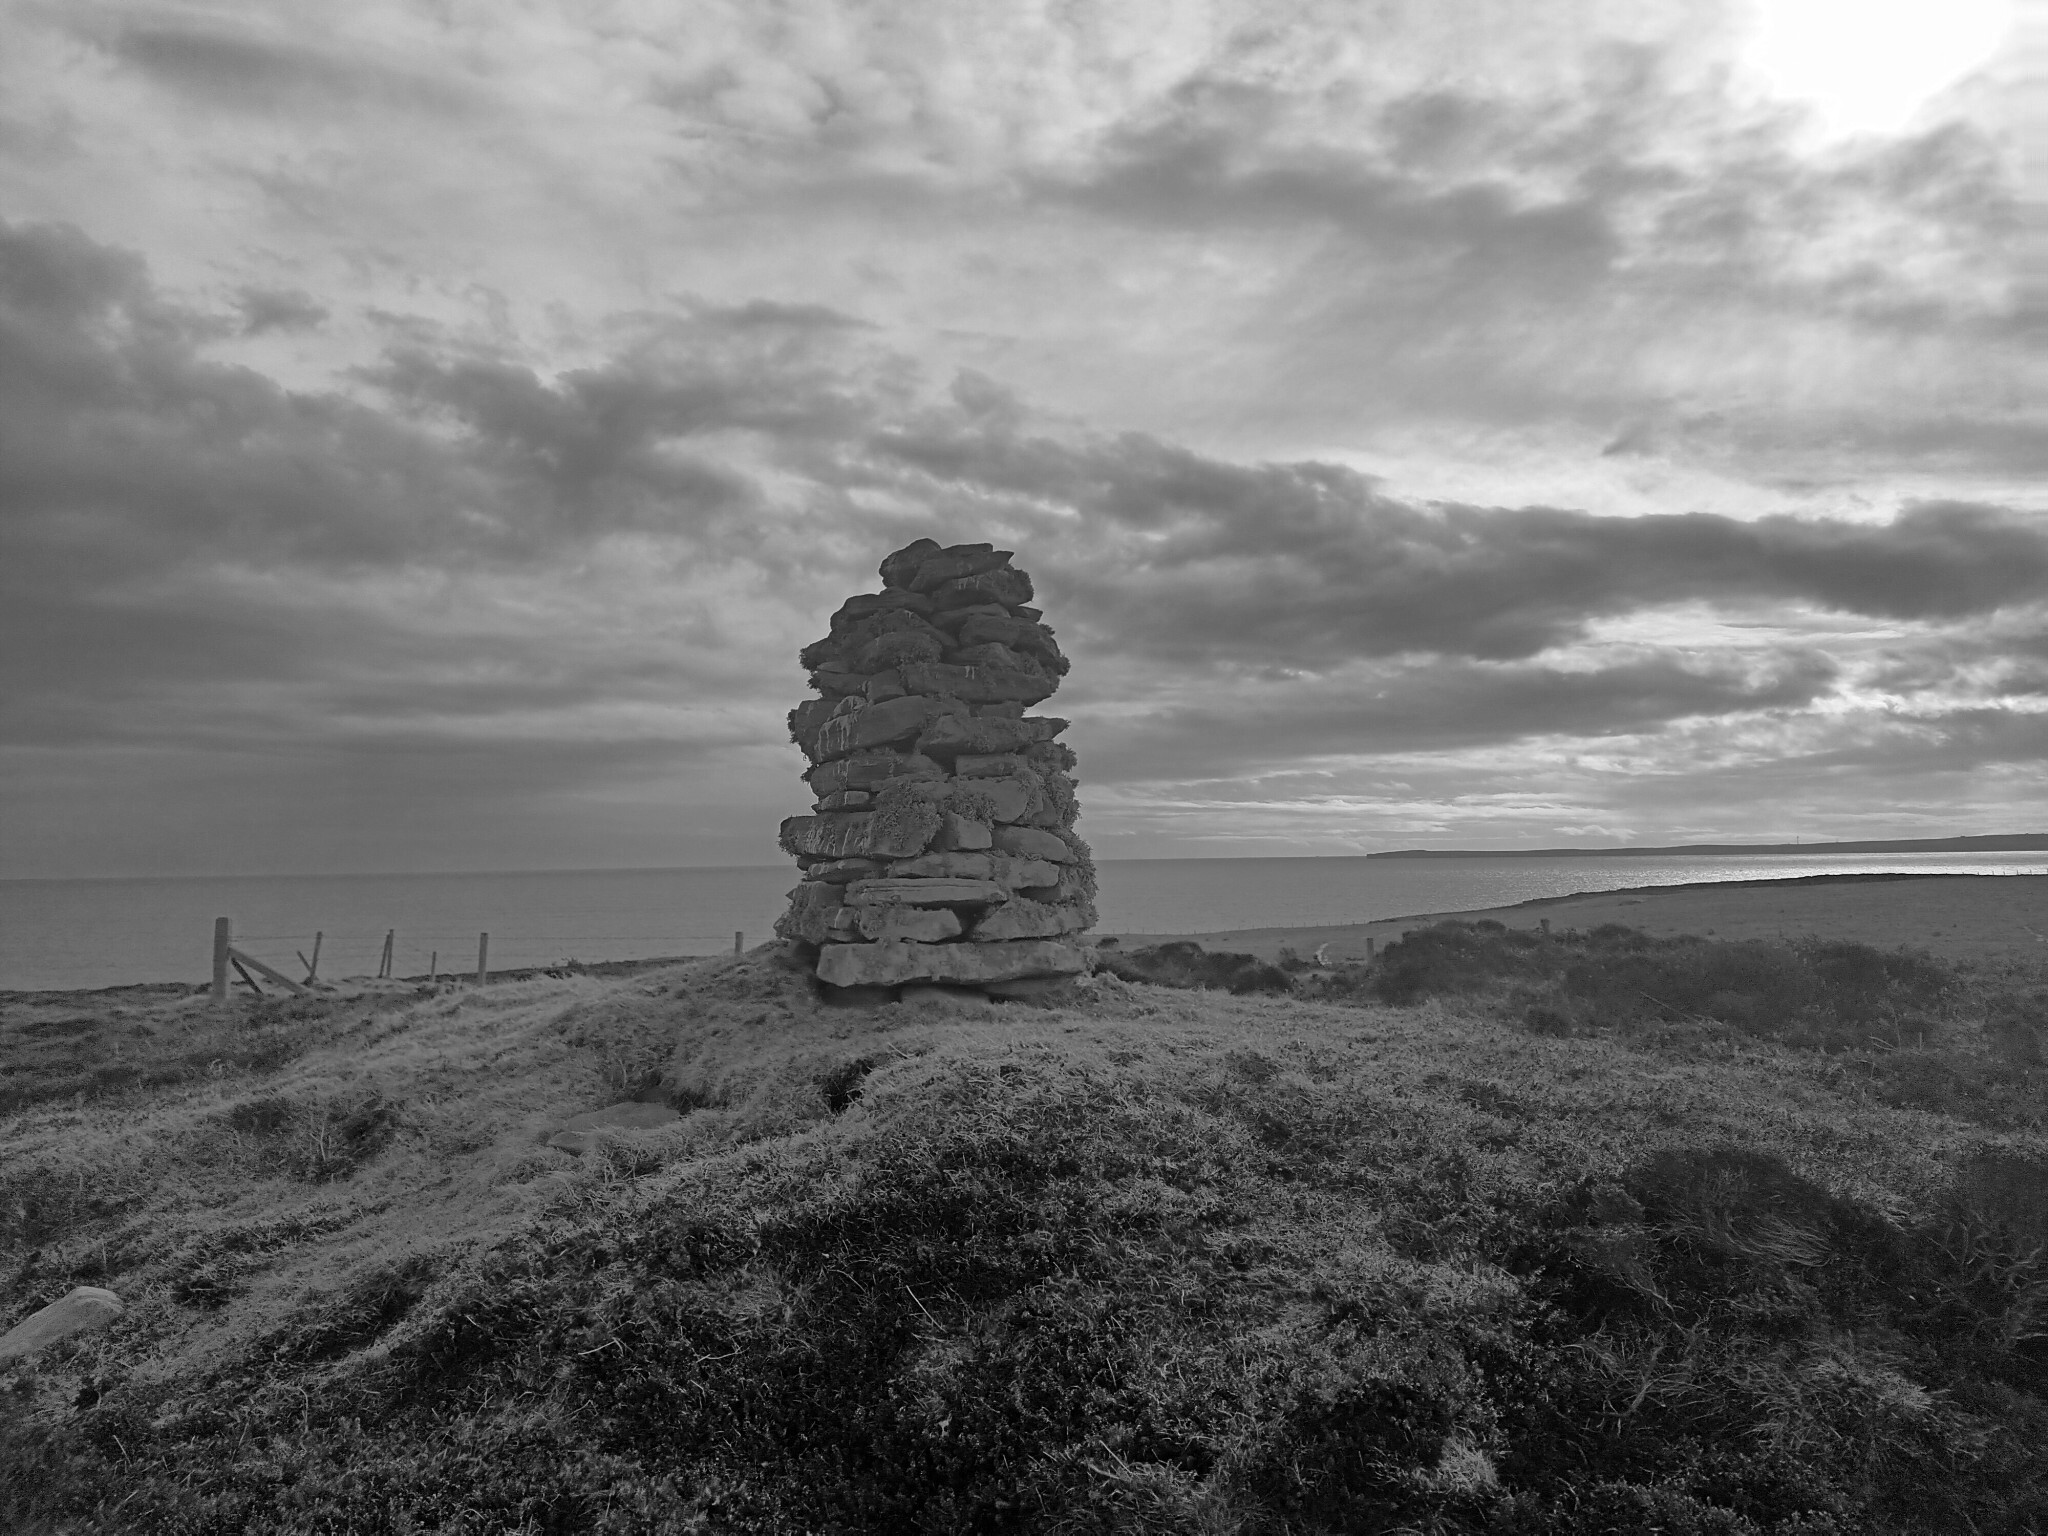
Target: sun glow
(1868, 66)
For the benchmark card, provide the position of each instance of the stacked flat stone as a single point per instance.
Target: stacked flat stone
(941, 847)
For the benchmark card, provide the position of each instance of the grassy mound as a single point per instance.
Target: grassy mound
(1158, 1261)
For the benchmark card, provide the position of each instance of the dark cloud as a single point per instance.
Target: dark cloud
(1310, 565)
(193, 556)
(1216, 157)
(120, 441)
(279, 309)
(1440, 707)
(222, 67)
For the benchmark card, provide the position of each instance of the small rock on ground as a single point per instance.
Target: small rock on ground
(83, 1307)
(579, 1133)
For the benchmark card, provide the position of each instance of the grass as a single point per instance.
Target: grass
(1962, 1040)
(1157, 1260)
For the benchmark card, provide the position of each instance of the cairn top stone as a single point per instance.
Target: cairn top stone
(897, 569)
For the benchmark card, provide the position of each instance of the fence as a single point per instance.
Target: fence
(227, 955)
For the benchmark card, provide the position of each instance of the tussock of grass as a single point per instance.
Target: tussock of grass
(1162, 1261)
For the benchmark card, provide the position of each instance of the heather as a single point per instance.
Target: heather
(1387, 1251)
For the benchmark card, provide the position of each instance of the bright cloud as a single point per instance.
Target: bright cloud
(1870, 66)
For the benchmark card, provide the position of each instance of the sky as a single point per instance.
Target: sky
(429, 429)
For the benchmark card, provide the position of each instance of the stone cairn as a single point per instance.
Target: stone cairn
(941, 847)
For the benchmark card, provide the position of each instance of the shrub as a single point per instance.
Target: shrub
(1830, 996)
(1452, 958)
(1183, 963)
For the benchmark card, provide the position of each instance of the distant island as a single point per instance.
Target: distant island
(2007, 842)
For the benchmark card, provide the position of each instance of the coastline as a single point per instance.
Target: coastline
(1958, 917)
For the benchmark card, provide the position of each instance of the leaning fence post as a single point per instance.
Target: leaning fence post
(434, 968)
(483, 950)
(223, 938)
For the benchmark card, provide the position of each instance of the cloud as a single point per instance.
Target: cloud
(217, 65)
(1438, 707)
(1310, 565)
(1623, 257)
(128, 451)
(116, 420)
(589, 577)
(195, 561)
(279, 309)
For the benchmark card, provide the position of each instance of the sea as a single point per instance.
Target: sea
(102, 933)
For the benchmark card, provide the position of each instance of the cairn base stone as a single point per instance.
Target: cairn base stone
(860, 834)
(893, 964)
(1021, 918)
(812, 913)
(917, 925)
(1006, 870)
(944, 866)
(858, 997)
(841, 871)
(1046, 991)
(932, 994)
(1032, 843)
(928, 891)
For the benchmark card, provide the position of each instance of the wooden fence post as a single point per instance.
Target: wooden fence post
(434, 968)
(384, 965)
(1368, 951)
(223, 937)
(483, 950)
(739, 941)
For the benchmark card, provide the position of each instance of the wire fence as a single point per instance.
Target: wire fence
(434, 953)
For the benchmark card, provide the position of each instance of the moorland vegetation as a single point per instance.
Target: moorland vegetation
(1508, 1233)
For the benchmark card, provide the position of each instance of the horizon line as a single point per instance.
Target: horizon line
(1868, 845)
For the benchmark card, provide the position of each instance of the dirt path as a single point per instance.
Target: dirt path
(1962, 917)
